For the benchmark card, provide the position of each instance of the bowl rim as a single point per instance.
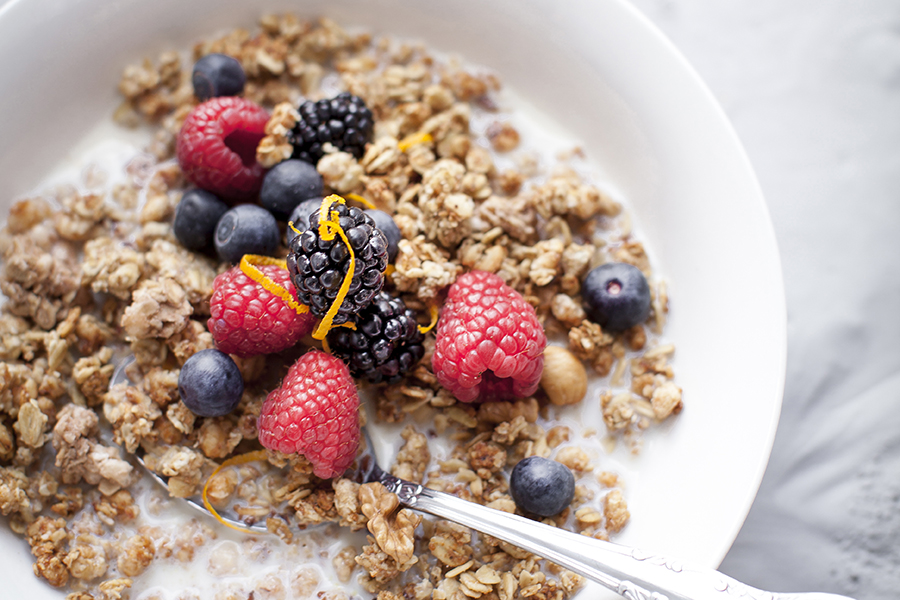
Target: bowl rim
(768, 230)
(10, 8)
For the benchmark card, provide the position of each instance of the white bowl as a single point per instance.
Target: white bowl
(600, 71)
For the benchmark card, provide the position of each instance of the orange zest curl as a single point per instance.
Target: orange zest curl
(414, 139)
(434, 311)
(329, 227)
(361, 200)
(249, 262)
(240, 459)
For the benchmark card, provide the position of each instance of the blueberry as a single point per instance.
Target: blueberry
(287, 184)
(246, 229)
(616, 296)
(210, 383)
(300, 216)
(541, 486)
(196, 217)
(388, 227)
(217, 75)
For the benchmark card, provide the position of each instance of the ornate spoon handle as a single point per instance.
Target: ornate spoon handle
(634, 574)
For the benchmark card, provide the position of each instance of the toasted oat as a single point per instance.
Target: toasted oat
(666, 400)
(446, 210)
(112, 267)
(589, 343)
(575, 458)
(450, 544)
(39, 278)
(565, 194)
(79, 455)
(182, 466)
(341, 172)
(86, 561)
(616, 511)
(423, 268)
(47, 538)
(413, 457)
(617, 410)
(504, 137)
(135, 555)
(159, 308)
(131, 413)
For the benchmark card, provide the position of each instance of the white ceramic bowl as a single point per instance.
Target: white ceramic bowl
(600, 71)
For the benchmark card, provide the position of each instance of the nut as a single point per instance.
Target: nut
(564, 379)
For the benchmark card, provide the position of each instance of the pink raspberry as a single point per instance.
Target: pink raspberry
(490, 345)
(248, 320)
(216, 147)
(314, 413)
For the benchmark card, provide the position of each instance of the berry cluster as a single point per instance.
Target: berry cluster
(489, 344)
(216, 150)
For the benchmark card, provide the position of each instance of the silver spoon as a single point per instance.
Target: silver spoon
(630, 572)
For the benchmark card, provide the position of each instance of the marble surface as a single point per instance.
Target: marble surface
(813, 89)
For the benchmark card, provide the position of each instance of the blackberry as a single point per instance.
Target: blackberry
(318, 267)
(386, 344)
(345, 121)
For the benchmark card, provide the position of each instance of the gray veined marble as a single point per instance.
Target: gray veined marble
(813, 89)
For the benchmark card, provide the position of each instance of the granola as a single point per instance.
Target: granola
(91, 274)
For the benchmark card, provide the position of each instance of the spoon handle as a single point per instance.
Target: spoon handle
(629, 572)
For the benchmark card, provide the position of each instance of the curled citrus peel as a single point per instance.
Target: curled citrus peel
(413, 139)
(249, 262)
(329, 227)
(361, 200)
(433, 310)
(240, 459)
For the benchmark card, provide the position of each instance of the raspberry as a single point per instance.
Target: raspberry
(217, 147)
(490, 345)
(314, 413)
(248, 320)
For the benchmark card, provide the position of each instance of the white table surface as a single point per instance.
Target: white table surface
(813, 89)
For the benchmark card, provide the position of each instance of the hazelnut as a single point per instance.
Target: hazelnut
(564, 379)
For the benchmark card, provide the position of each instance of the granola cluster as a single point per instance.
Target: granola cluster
(93, 273)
